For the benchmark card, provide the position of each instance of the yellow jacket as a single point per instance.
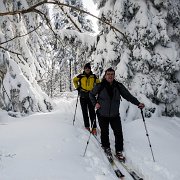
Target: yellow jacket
(85, 82)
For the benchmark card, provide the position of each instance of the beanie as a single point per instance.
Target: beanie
(87, 66)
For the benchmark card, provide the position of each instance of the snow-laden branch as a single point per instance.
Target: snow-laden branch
(33, 9)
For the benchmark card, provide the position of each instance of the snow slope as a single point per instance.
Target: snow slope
(46, 146)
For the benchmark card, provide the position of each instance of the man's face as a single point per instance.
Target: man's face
(109, 76)
(87, 70)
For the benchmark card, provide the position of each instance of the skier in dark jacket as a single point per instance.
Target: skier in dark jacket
(106, 98)
(84, 83)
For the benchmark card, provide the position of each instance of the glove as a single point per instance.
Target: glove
(141, 106)
(78, 89)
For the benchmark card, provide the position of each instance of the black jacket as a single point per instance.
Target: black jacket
(109, 96)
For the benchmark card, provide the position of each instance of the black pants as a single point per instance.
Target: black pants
(86, 106)
(115, 123)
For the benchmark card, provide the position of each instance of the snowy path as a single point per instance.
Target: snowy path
(46, 146)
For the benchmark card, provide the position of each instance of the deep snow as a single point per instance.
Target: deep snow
(46, 146)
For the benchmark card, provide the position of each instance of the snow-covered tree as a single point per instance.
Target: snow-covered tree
(146, 53)
(35, 54)
(24, 54)
(70, 53)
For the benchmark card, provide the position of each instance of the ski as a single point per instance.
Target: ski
(133, 174)
(115, 168)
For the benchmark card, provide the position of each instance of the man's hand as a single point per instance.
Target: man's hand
(97, 106)
(141, 106)
(78, 89)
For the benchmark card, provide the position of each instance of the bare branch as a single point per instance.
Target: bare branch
(20, 35)
(48, 23)
(10, 51)
(24, 11)
(45, 17)
(70, 19)
(33, 8)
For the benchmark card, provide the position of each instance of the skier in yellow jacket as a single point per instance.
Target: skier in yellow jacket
(84, 83)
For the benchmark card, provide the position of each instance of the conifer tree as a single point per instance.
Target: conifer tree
(70, 53)
(146, 54)
(24, 51)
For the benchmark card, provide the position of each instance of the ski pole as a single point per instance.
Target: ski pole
(147, 135)
(89, 137)
(75, 109)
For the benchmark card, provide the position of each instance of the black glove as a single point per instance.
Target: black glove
(78, 89)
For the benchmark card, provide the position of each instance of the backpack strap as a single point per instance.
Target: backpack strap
(118, 87)
(101, 87)
(95, 77)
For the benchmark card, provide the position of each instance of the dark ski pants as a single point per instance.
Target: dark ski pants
(115, 123)
(87, 106)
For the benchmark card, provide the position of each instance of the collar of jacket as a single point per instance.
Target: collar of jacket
(106, 83)
(87, 75)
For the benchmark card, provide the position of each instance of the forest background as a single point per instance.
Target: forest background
(45, 43)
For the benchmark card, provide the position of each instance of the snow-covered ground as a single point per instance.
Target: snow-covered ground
(46, 146)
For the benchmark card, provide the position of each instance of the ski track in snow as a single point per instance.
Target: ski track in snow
(46, 146)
